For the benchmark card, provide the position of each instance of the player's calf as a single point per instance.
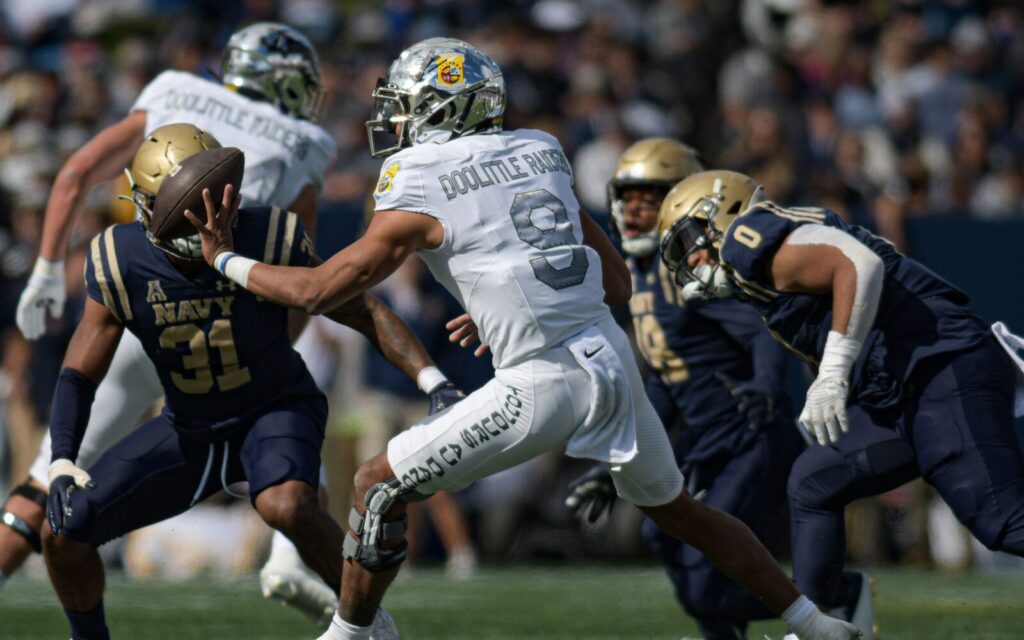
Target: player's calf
(20, 521)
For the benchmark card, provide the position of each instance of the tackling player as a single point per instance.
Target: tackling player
(494, 217)
(240, 403)
(713, 368)
(266, 106)
(910, 381)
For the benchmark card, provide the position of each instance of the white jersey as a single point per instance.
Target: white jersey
(512, 253)
(282, 154)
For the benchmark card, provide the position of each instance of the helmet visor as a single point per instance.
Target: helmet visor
(389, 110)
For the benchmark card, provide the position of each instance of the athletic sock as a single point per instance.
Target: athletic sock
(88, 625)
(341, 630)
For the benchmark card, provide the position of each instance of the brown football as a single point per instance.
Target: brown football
(183, 189)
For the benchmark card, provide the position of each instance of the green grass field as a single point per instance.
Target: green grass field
(512, 604)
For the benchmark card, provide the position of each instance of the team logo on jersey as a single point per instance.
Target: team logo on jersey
(387, 180)
(449, 70)
(155, 292)
(224, 285)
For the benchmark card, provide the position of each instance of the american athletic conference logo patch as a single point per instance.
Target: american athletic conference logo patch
(450, 72)
(387, 180)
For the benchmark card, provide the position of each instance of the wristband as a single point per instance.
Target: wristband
(59, 467)
(429, 378)
(234, 267)
(797, 614)
(48, 268)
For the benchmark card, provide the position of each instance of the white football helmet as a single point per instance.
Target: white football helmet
(437, 89)
(274, 62)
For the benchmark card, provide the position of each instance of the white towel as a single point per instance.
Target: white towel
(1014, 347)
(608, 434)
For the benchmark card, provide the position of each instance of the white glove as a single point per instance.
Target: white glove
(45, 290)
(808, 623)
(64, 467)
(824, 413)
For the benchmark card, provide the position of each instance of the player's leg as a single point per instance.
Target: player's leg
(751, 486)
(281, 459)
(129, 389)
(866, 461)
(962, 428)
(524, 411)
(149, 476)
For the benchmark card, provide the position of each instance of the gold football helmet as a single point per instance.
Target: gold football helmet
(651, 162)
(161, 151)
(695, 215)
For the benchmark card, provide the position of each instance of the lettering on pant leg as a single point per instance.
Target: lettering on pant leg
(483, 425)
(468, 438)
(451, 453)
(480, 432)
(499, 420)
(435, 466)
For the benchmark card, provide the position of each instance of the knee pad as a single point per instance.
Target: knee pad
(17, 523)
(372, 530)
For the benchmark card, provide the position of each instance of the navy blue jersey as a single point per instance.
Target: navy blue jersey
(221, 352)
(919, 313)
(689, 347)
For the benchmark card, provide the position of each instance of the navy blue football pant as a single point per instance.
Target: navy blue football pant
(750, 485)
(955, 429)
(155, 473)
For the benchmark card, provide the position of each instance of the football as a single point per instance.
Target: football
(183, 188)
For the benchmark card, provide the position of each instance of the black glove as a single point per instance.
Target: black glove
(592, 494)
(756, 400)
(443, 396)
(58, 503)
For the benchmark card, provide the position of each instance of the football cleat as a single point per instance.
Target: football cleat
(285, 579)
(860, 609)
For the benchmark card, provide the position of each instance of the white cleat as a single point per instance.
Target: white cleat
(863, 614)
(383, 627)
(285, 579)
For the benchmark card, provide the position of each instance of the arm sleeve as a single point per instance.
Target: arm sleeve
(72, 403)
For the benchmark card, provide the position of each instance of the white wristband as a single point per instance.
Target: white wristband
(48, 268)
(839, 355)
(797, 614)
(429, 378)
(234, 266)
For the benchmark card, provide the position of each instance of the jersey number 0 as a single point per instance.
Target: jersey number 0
(558, 235)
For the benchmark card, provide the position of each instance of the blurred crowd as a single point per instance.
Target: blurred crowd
(880, 110)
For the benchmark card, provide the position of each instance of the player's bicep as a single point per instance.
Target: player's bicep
(806, 268)
(95, 339)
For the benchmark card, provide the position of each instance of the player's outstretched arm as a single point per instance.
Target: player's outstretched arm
(100, 159)
(824, 260)
(618, 284)
(388, 241)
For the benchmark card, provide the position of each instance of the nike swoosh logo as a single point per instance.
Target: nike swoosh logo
(590, 354)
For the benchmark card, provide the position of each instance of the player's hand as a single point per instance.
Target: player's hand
(592, 494)
(824, 413)
(44, 292)
(756, 401)
(215, 233)
(464, 331)
(65, 479)
(443, 396)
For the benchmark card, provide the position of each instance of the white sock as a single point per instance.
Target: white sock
(341, 630)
